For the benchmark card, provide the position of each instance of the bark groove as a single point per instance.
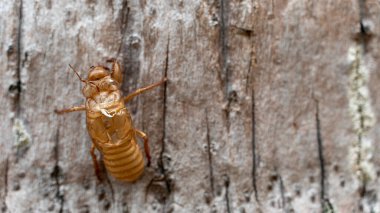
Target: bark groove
(270, 106)
(56, 174)
(162, 162)
(320, 154)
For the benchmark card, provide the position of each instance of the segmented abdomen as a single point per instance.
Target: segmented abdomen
(123, 161)
(115, 138)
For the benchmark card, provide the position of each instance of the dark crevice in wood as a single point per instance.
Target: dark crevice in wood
(242, 31)
(365, 33)
(223, 56)
(359, 159)
(106, 179)
(253, 142)
(16, 88)
(325, 202)
(161, 163)
(250, 79)
(223, 42)
(19, 37)
(5, 207)
(156, 182)
(282, 193)
(226, 196)
(123, 24)
(106, 182)
(286, 204)
(320, 155)
(327, 206)
(111, 188)
(56, 174)
(210, 164)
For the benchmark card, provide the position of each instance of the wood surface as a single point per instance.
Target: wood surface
(271, 106)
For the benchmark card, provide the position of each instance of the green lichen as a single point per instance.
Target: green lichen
(22, 137)
(363, 118)
(327, 206)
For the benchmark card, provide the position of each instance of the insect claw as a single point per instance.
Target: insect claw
(98, 176)
(111, 60)
(59, 112)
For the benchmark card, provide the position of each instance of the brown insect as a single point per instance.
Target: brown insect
(109, 123)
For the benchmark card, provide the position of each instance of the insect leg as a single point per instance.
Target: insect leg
(96, 165)
(72, 109)
(144, 89)
(116, 70)
(146, 145)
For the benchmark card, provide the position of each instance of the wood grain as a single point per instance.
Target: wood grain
(270, 106)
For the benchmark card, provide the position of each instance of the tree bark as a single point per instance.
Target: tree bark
(271, 106)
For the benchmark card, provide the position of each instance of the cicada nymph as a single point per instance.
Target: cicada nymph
(109, 123)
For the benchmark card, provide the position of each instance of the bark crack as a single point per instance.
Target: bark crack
(253, 142)
(252, 61)
(124, 24)
(16, 88)
(282, 192)
(250, 83)
(161, 160)
(226, 196)
(210, 164)
(111, 188)
(223, 42)
(287, 207)
(320, 155)
(365, 33)
(328, 207)
(223, 56)
(107, 179)
(5, 207)
(56, 174)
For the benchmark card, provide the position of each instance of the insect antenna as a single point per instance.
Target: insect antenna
(84, 81)
(77, 74)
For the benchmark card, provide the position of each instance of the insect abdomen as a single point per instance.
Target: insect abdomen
(115, 139)
(124, 160)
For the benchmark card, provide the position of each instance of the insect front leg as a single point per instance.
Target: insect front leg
(95, 161)
(116, 70)
(146, 145)
(72, 109)
(144, 89)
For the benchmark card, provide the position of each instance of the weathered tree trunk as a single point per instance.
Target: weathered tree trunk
(271, 106)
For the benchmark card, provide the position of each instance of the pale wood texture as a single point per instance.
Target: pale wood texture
(271, 106)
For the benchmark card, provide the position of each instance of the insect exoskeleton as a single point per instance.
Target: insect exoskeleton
(109, 123)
